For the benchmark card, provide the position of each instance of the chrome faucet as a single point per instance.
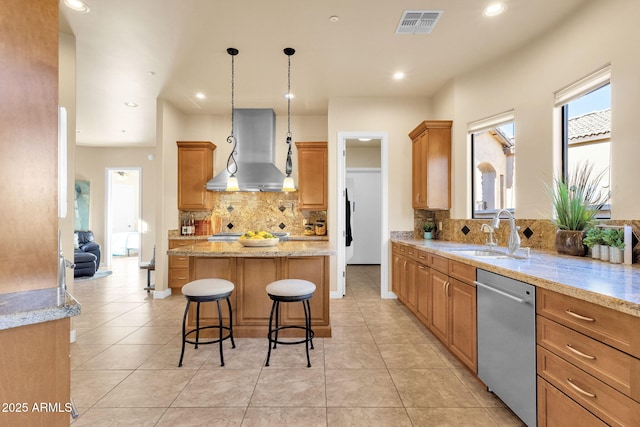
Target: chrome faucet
(491, 242)
(514, 237)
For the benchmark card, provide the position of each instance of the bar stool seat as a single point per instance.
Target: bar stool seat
(290, 290)
(207, 290)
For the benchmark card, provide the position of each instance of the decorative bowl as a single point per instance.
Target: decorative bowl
(254, 243)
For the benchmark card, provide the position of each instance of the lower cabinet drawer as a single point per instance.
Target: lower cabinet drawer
(617, 329)
(605, 402)
(176, 261)
(555, 409)
(613, 367)
(178, 277)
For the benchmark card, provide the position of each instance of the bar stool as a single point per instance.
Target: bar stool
(290, 290)
(207, 290)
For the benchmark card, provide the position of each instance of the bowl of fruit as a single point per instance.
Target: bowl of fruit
(258, 239)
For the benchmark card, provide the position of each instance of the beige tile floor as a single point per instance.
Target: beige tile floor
(381, 367)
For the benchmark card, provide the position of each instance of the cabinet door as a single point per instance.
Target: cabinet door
(423, 291)
(439, 305)
(316, 270)
(556, 409)
(312, 175)
(418, 172)
(254, 274)
(438, 161)
(431, 165)
(411, 296)
(396, 267)
(463, 336)
(195, 168)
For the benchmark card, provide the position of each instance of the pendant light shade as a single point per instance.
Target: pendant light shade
(288, 184)
(232, 165)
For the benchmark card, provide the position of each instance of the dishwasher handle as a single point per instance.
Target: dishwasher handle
(498, 291)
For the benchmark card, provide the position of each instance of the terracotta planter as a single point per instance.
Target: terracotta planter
(569, 242)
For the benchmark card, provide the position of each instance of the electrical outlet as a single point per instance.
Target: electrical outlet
(440, 225)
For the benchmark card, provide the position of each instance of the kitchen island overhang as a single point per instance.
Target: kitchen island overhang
(251, 269)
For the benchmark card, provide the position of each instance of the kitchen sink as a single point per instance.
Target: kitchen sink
(479, 253)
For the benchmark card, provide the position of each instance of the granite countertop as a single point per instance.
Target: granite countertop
(235, 249)
(174, 235)
(31, 307)
(615, 286)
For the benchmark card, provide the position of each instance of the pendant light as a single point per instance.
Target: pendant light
(232, 165)
(288, 184)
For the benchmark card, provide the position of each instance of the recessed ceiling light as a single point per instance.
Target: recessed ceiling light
(364, 139)
(151, 73)
(334, 18)
(77, 5)
(201, 95)
(494, 9)
(399, 75)
(130, 104)
(288, 96)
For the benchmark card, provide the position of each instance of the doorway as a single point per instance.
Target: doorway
(354, 139)
(122, 233)
(365, 201)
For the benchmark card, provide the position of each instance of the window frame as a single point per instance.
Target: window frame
(590, 83)
(480, 126)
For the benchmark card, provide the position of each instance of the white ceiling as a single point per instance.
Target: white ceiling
(184, 42)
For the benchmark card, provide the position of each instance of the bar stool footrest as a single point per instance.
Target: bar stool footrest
(217, 340)
(302, 341)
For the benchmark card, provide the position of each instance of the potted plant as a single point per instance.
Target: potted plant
(576, 201)
(593, 240)
(608, 237)
(429, 228)
(616, 248)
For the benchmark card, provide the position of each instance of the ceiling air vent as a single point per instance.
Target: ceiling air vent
(418, 21)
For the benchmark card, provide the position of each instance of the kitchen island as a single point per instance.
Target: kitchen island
(251, 269)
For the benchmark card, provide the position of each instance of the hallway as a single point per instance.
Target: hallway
(380, 368)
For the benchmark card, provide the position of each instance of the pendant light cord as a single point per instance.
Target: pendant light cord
(289, 165)
(231, 139)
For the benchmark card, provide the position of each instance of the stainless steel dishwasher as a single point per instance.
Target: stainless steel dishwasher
(507, 341)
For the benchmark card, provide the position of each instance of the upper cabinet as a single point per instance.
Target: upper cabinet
(195, 168)
(431, 165)
(312, 175)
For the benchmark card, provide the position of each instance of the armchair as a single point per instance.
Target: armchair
(84, 243)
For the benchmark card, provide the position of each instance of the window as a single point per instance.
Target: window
(585, 107)
(493, 164)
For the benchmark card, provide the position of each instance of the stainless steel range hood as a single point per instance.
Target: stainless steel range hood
(255, 131)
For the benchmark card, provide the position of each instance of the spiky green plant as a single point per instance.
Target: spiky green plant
(577, 200)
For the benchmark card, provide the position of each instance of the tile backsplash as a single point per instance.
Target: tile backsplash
(534, 233)
(270, 211)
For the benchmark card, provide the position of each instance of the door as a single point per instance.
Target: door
(363, 186)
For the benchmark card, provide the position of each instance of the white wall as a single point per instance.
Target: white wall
(90, 165)
(395, 116)
(602, 32)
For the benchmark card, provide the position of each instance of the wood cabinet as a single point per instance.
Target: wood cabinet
(178, 266)
(34, 358)
(431, 165)
(195, 168)
(587, 354)
(313, 166)
(404, 282)
(441, 293)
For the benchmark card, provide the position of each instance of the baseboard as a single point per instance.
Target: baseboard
(162, 294)
(389, 295)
